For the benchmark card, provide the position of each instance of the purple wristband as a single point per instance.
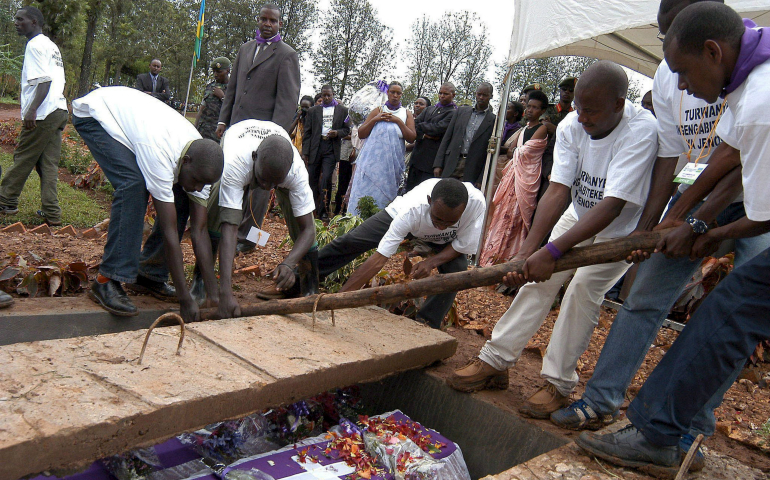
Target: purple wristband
(555, 253)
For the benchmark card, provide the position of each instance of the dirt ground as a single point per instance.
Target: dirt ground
(745, 409)
(9, 112)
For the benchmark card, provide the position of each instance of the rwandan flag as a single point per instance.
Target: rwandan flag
(199, 33)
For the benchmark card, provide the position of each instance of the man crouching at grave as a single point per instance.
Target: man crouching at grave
(603, 160)
(143, 145)
(259, 154)
(446, 213)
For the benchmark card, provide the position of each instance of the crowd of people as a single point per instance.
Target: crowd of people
(589, 168)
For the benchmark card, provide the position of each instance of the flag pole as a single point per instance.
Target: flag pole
(189, 83)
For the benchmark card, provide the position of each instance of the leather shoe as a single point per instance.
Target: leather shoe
(544, 402)
(628, 447)
(245, 247)
(159, 290)
(5, 300)
(478, 375)
(112, 298)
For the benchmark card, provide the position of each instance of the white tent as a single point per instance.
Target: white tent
(623, 31)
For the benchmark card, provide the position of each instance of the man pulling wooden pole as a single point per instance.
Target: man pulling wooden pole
(605, 252)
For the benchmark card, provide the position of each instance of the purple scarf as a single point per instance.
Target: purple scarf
(260, 40)
(510, 127)
(333, 103)
(393, 107)
(451, 105)
(755, 50)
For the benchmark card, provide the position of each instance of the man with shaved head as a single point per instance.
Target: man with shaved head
(686, 126)
(259, 155)
(603, 159)
(714, 55)
(430, 126)
(152, 83)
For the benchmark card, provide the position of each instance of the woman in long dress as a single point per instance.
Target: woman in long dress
(380, 164)
(516, 197)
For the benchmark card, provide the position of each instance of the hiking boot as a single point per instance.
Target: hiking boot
(245, 247)
(629, 448)
(49, 222)
(6, 210)
(544, 402)
(5, 300)
(477, 375)
(580, 416)
(112, 298)
(699, 460)
(159, 290)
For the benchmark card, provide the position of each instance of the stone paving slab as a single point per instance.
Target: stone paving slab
(65, 403)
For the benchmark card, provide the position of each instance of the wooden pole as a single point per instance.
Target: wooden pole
(605, 252)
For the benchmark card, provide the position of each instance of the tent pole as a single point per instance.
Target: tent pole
(493, 152)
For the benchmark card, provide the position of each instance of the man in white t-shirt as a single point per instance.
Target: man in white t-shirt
(259, 157)
(603, 159)
(44, 112)
(143, 145)
(445, 213)
(714, 55)
(686, 125)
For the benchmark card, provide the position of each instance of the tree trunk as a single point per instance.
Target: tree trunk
(85, 64)
(605, 252)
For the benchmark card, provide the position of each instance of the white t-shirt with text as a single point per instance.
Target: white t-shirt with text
(42, 63)
(684, 122)
(155, 132)
(618, 165)
(240, 141)
(411, 214)
(745, 126)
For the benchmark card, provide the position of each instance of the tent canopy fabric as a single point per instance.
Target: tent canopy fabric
(624, 31)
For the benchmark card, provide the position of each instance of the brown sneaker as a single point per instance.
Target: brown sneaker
(478, 375)
(544, 402)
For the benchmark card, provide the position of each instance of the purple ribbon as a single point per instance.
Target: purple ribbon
(381, 85)
(755, 50)
(393, 107)
(260, 40)
(333, 103)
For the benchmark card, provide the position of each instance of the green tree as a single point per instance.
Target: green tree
(421, 58)
(355, 47)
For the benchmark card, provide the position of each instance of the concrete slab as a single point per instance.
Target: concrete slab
(64, 403)
(48, 318)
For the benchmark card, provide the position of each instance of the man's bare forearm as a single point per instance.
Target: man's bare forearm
(660, 192)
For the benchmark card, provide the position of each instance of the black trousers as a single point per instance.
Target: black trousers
(343, 250)
(345, 173)
(320, 173)
(416, 177)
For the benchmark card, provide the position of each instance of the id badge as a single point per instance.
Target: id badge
(690, 173)
(258, 236)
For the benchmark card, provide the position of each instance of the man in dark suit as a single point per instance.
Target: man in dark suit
(264, 85)
(463, 150)
(430, 126)
(152, 83)
(324, 129)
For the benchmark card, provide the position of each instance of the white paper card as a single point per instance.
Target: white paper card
(258, 236)
(690, 173)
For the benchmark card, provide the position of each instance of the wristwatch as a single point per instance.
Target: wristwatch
(698, 226)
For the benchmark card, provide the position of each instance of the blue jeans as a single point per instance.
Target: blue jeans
(659, 283)
(719, 338)
(152, 262)
(129, 202)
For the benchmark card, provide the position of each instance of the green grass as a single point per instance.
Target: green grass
(9, 100)
(77, 208)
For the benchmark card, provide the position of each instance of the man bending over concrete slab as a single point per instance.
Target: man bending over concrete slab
(445, 213)
(143, 145)
(603, 160)
(259, 154)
